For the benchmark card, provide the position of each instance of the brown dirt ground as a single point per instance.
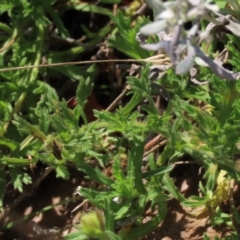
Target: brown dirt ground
(178, 224)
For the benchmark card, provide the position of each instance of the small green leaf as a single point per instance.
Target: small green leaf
(145, 228)
(135, 156)
(211, 175)
(127, 43)
(158, 171)
(18, 178)
(16, 161)
(86, 7)
(112, 235)
(57, 20)
(76, 236)
(26, 127)
(170, 187)
(84, 89)
(96, 174)
(62, 172)
(12, 145)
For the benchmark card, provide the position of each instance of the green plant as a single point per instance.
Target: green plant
(201, 121)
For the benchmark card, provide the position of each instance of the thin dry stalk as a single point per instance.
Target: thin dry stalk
(155, 59)
(156, 147)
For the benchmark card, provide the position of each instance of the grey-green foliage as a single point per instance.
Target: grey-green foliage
(170, 17)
